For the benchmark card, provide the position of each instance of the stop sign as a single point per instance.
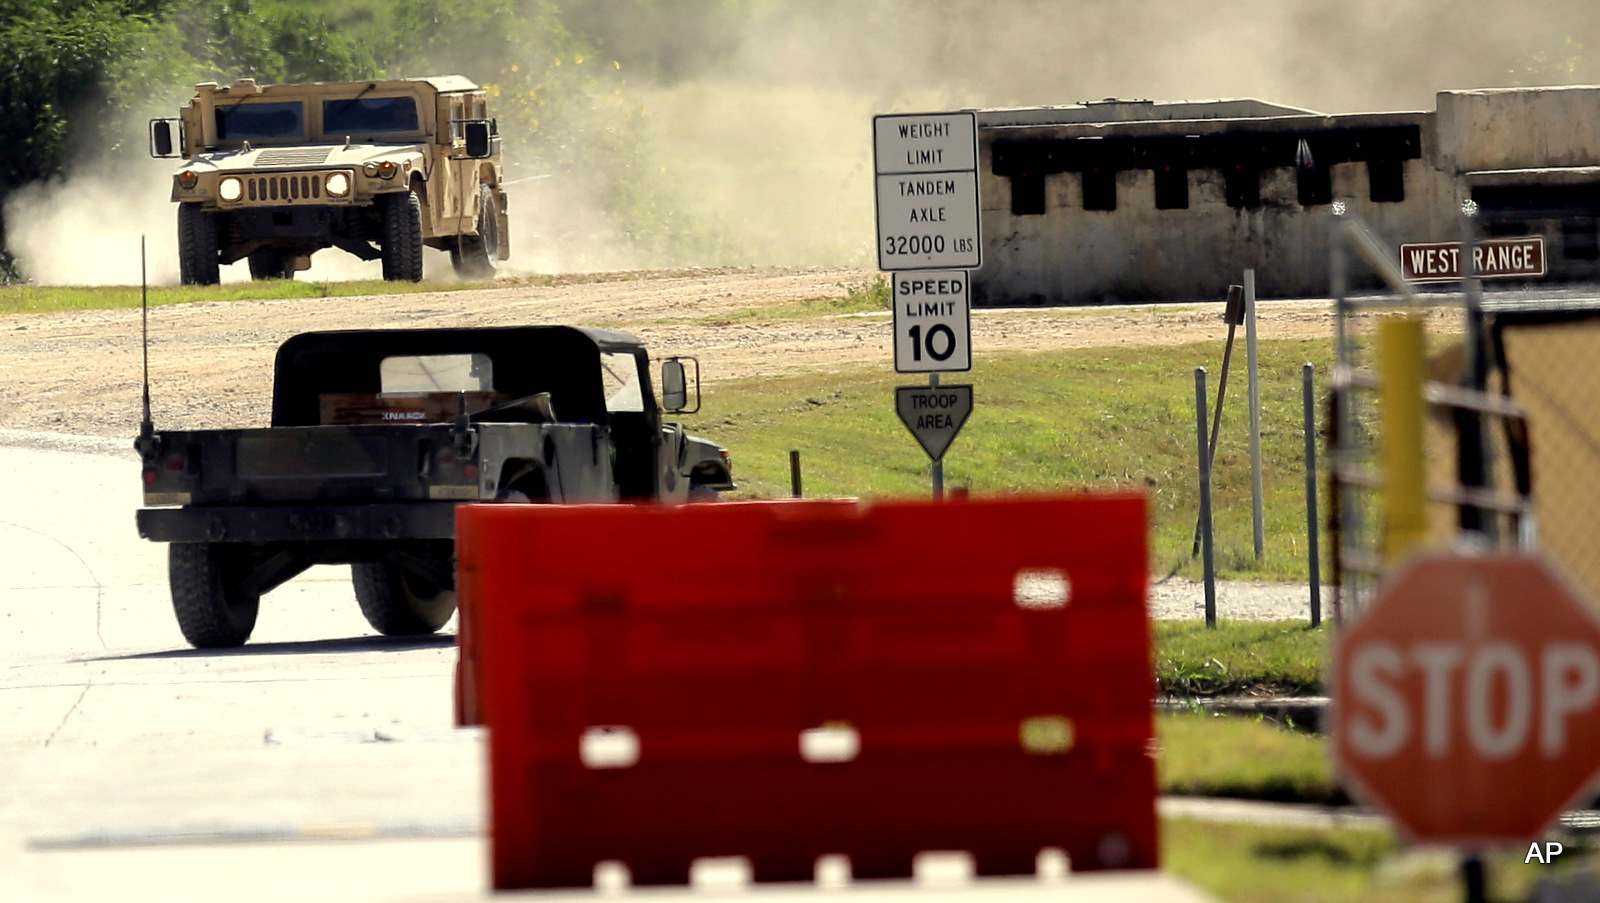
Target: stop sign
(1466, 700)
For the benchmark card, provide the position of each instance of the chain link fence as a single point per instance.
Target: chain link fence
(1469, 450)
(1548, 360)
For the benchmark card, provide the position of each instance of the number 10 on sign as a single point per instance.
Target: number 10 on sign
(932, 321)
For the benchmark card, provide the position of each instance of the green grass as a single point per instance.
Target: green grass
(1242, 757)
(1099, 417)
(1248, 863)
(1265, 657)
(30, 299)
(869, 297)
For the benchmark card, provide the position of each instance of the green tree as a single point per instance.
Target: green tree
(85, 73)
(54, 58)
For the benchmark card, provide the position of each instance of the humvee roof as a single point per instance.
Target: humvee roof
(561, 360)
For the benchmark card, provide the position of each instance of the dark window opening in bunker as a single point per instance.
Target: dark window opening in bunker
(1099, 189)
(1241, 186)
(1579, 239)
(1386, 179)
(1314, 186)
(1027, 194)
(1172, 188)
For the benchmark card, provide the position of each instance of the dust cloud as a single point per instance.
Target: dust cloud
(85, 230)
(761, 132)
(774, 135)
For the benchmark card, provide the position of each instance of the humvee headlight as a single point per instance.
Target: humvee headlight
(371, 170)
(230, 189)
(338, 185)
(187, 179)
(386, 169)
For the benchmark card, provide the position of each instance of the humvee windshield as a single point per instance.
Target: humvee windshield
(244, 120)
(377, 114)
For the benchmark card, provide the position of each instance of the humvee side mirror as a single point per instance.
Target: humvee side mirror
(675, 386)
(161, 138)
(477, 134)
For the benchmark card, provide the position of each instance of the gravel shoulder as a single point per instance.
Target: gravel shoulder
(210, 364)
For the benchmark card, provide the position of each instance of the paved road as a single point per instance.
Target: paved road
(318, 761)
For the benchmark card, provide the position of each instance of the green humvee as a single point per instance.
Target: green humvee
(377, 436)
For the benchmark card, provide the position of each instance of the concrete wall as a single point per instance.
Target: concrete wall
(1519, 128)
(1136, 252)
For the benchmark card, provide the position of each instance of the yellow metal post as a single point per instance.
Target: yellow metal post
(1400, 411)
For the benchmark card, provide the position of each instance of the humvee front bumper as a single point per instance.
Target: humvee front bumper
(276, 523)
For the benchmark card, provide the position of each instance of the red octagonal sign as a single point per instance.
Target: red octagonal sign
(1467, 699)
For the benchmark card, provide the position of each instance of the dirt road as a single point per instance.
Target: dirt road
(211, 364)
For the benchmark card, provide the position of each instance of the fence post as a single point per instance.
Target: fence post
(1207, 553)
(794, 473)
(1401, 416)
(1313, 554)
(1257, 524)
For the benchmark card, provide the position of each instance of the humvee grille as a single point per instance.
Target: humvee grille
(283, 188)
(293, 156)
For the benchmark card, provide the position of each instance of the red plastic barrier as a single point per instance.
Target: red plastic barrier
(698, 643)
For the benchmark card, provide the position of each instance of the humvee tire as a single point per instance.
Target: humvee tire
(402, 236)
(197, 246)
(397, 603)
(269, 263)
(476, 256)
(211, 613)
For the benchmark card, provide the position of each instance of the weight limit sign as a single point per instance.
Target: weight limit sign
(932, 321)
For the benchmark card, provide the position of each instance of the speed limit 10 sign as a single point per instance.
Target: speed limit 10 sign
(932, 321)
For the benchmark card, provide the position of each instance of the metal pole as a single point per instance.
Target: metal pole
(1473, 879)
(1345, 519)
(1472, 462)
(794, 473)
(938, 464)
(1216, 419)
(1255, 409)
(1208, 556)
(1309, 397)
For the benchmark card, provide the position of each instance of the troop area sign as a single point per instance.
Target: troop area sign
(927, 191)
(1467, 699)
(932, 321)
(1492, 258)
(933, 414)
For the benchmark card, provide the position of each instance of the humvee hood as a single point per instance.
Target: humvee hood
(301, 157)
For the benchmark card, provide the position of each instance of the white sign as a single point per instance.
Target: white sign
(927, 191)
(932, 321)
(932, 142)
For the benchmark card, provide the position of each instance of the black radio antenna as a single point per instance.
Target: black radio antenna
(147, 428)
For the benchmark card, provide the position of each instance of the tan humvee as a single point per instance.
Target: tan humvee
(380, 169)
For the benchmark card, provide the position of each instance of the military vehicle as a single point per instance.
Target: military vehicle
(380, 169)
(377, 436)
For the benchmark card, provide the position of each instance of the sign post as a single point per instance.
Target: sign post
(927, 204)
(1467, 700)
